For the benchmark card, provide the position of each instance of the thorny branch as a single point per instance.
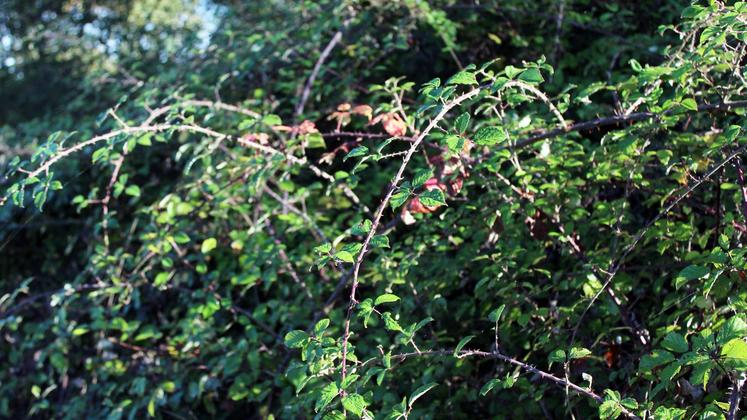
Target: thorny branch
(380, 211)
(587, 392)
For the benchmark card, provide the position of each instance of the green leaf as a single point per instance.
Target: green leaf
(399, 198)
(609, 410)
(732, 132)
(133, 190)
(557, 356)
(635, 65)
(271, 119)
(296, 339)
(421, 175)
(323, 248)
(420, 392)
(315, 141)
(654, 360)
(144, 140)
(361, 228)
(734, 327)
(40, 198)
(169, 386)
(80, 331)
(208, 245)
(358, 151)
(689, 104)
(326, 395)
(462, 78)
(489, 386)
(462, 122)
(691, 272)
(365, 309)
(578, 353)
(675, 342)
(386, 298)
(345, 256)
(701, 373)
(495, 314)
(181, 238)
(321, 326)
(379, 241)
(349, 380)
(455, 143)
(423, 322)
(489, 136)
(152, 407)
(463, 342)
(239, 389)
(354, 403)
(735, 354)
(531, 76)
(430, 86)
(629, 403)
(161, 279)
(390, 323)
(99, 154)
(334, 415)
(432, 198)
(512, 71)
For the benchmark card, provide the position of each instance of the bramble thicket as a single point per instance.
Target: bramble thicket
(376, 209)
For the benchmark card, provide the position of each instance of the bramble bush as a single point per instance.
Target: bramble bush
(323, 210)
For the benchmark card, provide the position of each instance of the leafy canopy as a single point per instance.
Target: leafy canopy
(321, 209)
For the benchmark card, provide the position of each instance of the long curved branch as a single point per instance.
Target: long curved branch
(587, 392)
(620, 119)
(380, 211)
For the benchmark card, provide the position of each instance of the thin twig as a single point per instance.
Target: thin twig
(736, 395)
(558, 32)
(500, 356)
(44, 295)
(317, 67)
(108, 196)
(287, 261)
(620, 119)
(365, 135)
(220, 105)
(740, 177)
(318, 234)
(615, 266)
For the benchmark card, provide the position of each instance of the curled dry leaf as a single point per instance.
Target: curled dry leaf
(449, 178)
(307, 127)
(414, 206)
(392, 123)
(363, 110)
(345, 111)
(261, 138)
(395, 127)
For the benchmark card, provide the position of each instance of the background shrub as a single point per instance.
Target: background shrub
(372, 209)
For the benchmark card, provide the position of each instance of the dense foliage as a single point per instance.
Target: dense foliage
(378, 209)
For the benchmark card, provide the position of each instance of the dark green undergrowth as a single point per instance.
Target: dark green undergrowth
(376, 209)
